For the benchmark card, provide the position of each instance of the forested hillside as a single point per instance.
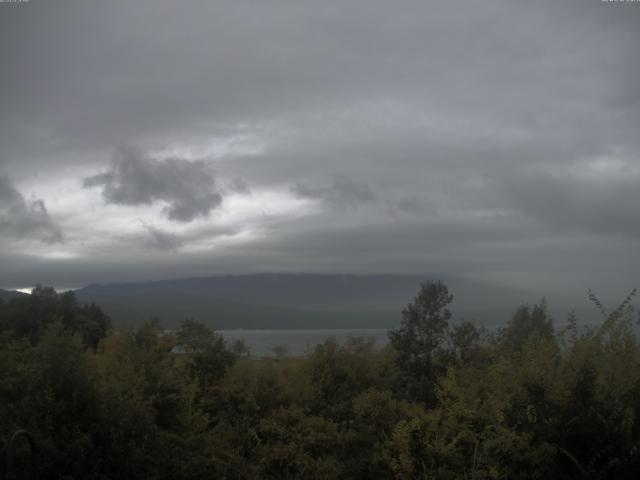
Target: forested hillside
(443, 400)
(6, 295)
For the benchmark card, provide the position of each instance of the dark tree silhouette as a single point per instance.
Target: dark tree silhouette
(423, 331)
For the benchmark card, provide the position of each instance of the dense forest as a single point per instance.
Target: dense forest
(444, 399)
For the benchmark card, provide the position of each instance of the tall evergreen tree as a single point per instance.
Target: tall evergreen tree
(423, 331)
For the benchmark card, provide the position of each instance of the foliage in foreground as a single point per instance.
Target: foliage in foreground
(441, 401)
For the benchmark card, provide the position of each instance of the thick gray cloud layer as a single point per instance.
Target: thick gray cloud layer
(343, 192)
(495, 139)
(187, 188)
(161, 240)
(21, 218)
(606, 206)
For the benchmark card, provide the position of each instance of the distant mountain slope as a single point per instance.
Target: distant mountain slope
(290, 301)
(6, 295)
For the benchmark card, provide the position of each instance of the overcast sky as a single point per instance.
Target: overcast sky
(495, 140)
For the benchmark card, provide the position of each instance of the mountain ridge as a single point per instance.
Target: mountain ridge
(292, 300)
(6, 295)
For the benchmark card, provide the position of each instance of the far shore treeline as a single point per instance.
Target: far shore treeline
(443, 400)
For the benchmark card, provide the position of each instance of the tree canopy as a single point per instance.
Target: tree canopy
(444, 399)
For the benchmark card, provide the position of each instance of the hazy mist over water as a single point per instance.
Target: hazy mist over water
(297, 342)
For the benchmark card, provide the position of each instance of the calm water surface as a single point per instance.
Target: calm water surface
(262, 342)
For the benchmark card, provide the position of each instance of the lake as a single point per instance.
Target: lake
(262, 342)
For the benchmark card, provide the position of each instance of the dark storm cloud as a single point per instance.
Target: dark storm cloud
(186, 187)
(21, 218)
(342, 192)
